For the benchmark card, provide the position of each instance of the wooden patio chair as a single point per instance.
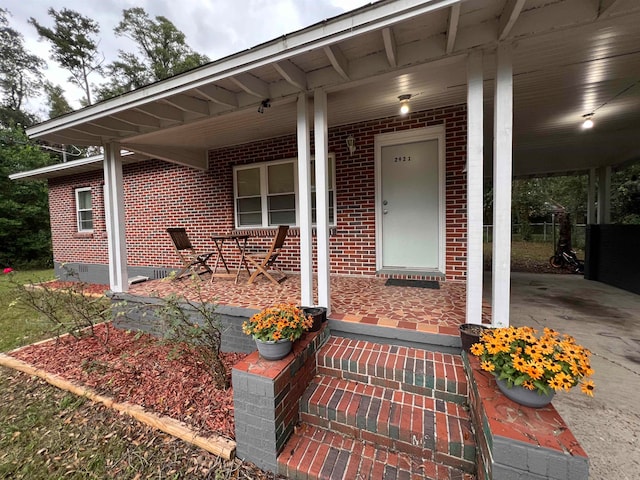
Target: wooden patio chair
(192, 261)
(263, 262)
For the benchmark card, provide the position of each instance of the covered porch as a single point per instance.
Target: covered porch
(359, 301)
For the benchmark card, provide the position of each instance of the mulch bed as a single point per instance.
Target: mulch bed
(140, 369)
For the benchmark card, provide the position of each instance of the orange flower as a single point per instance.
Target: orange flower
(587, 387)
(477, 349)
(487, 366)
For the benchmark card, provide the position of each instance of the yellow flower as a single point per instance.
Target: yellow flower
(528, 384)
(555, 383)
(519, 363)
(587, 387)
(477, 349)
(487, 366)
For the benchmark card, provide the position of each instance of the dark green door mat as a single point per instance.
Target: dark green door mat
(397, 282)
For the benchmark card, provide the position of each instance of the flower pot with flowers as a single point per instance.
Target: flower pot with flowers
(530, 368)
(275, 328)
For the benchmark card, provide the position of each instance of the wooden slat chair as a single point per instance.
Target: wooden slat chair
(263, 262)
(192, 261)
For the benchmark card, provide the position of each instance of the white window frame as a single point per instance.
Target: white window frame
(263, 166)
(79, 210)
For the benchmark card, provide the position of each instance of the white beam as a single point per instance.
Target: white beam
(390, 46)
(338, 60)
(219, 95)
(502, 177)
(137, 118)
(252, 85)
(591, 197)
(95, 130)
(508, 18)
(475, 149)
(162, 111)
(604, 195)
(189, 157)
(304, 193)
(114, 217)
(320, 128)
(452, 30)
(115, 125)
(187, 103)
(292, 74)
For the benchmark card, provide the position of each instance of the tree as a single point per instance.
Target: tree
(56, 102)
(162, 48)
(25, 234)
(20, 75)
(73, 45)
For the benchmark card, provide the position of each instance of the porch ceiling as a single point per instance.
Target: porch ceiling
(571, 57)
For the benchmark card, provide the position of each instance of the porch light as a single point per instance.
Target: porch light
(588, 121)
(404, 103)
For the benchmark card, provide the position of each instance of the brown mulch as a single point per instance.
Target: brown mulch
(91, 288)
(140, 369)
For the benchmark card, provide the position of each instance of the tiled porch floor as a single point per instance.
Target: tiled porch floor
(353, 299)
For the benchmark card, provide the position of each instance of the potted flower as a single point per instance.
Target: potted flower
(275, 328)
(529, 369)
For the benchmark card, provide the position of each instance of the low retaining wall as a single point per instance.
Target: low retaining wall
(516, 442)
(132, 312)
(266, 396)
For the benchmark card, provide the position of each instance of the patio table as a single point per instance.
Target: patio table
(241, 244)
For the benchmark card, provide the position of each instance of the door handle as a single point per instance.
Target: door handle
(385, 211)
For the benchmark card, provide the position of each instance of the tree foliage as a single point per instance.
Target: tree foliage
(25, 235)
(73, 45)
(20, 75)
(56, 101)
(162, 53)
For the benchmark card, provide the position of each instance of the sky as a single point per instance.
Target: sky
(215, 28)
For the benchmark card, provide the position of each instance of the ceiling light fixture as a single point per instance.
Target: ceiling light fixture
(266, 103)
(588, 121)
(404, 103)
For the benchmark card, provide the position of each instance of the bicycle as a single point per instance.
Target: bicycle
(566, 258)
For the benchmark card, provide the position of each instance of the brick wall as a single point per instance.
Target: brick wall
(160, 194)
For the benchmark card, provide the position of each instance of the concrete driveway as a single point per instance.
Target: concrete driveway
(607, 321)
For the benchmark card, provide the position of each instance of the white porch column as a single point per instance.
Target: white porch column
(304, 195)
(591, 197)
(114, 217)
(474, 187)
(322, 196)
(604, 195)
(502, 173)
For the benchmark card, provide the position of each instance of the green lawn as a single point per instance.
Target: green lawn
(18, 325)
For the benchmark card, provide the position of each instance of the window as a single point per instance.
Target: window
(266, 193)
(84, 210)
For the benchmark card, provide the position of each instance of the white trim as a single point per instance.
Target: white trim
(475, 147)
(321, 135)
(502, 178)
(114, 218)
(329, 32)
(436, 132)
(304, 201)
(78, 210)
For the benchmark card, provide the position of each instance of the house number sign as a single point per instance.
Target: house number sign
(402, 159)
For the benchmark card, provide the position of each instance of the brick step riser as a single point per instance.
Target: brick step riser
(430, 374)
(429, 433)
(431, 387)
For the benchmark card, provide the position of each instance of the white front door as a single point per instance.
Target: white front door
(410, 207)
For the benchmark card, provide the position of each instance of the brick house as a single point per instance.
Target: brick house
(493, 89)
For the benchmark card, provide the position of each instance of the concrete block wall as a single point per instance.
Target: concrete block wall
(266, 396)
(141, 314)
(514, 442)
(202, 201)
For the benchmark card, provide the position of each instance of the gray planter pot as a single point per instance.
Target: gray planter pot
(274, 350)
(524, 396)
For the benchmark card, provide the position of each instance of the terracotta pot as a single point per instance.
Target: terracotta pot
(524, 396)
(270, 350)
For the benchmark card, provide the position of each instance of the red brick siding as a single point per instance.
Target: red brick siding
(160, 194)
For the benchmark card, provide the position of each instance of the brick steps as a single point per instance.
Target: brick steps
(382, 411)
(317, 453)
